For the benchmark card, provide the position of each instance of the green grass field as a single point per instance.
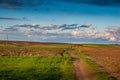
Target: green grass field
(36, 68)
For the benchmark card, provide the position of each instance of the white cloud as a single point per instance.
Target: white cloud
(112, 39)
(113, 33)
(73, 31)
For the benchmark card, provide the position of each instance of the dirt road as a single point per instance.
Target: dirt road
(80, 70)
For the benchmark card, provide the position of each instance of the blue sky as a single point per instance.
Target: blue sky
(74, 21)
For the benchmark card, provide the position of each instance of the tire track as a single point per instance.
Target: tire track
(80, 70)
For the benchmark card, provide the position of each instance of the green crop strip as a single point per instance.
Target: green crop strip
(36, 68)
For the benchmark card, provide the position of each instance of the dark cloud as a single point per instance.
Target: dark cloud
(53, 27)
(74, 26)
(86, 25)
(15, 4)
(20, 4)
(66, 26)
(27, 25)
(97, 2)
(8, 18)
(11, 29)
(10, 3)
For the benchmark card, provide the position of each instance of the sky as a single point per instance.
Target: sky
(63, 21)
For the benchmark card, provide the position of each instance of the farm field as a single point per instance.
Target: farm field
(59, 39)
(35, 63)
(107, 57)
(52, 61)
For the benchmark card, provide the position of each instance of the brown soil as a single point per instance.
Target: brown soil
(20, 52)
(107, 58)
(25, 43)
(29, 52)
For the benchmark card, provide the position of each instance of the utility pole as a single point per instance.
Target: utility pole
(6, 38)
(1, 30)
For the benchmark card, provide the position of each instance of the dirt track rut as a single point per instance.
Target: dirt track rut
(80, 70)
